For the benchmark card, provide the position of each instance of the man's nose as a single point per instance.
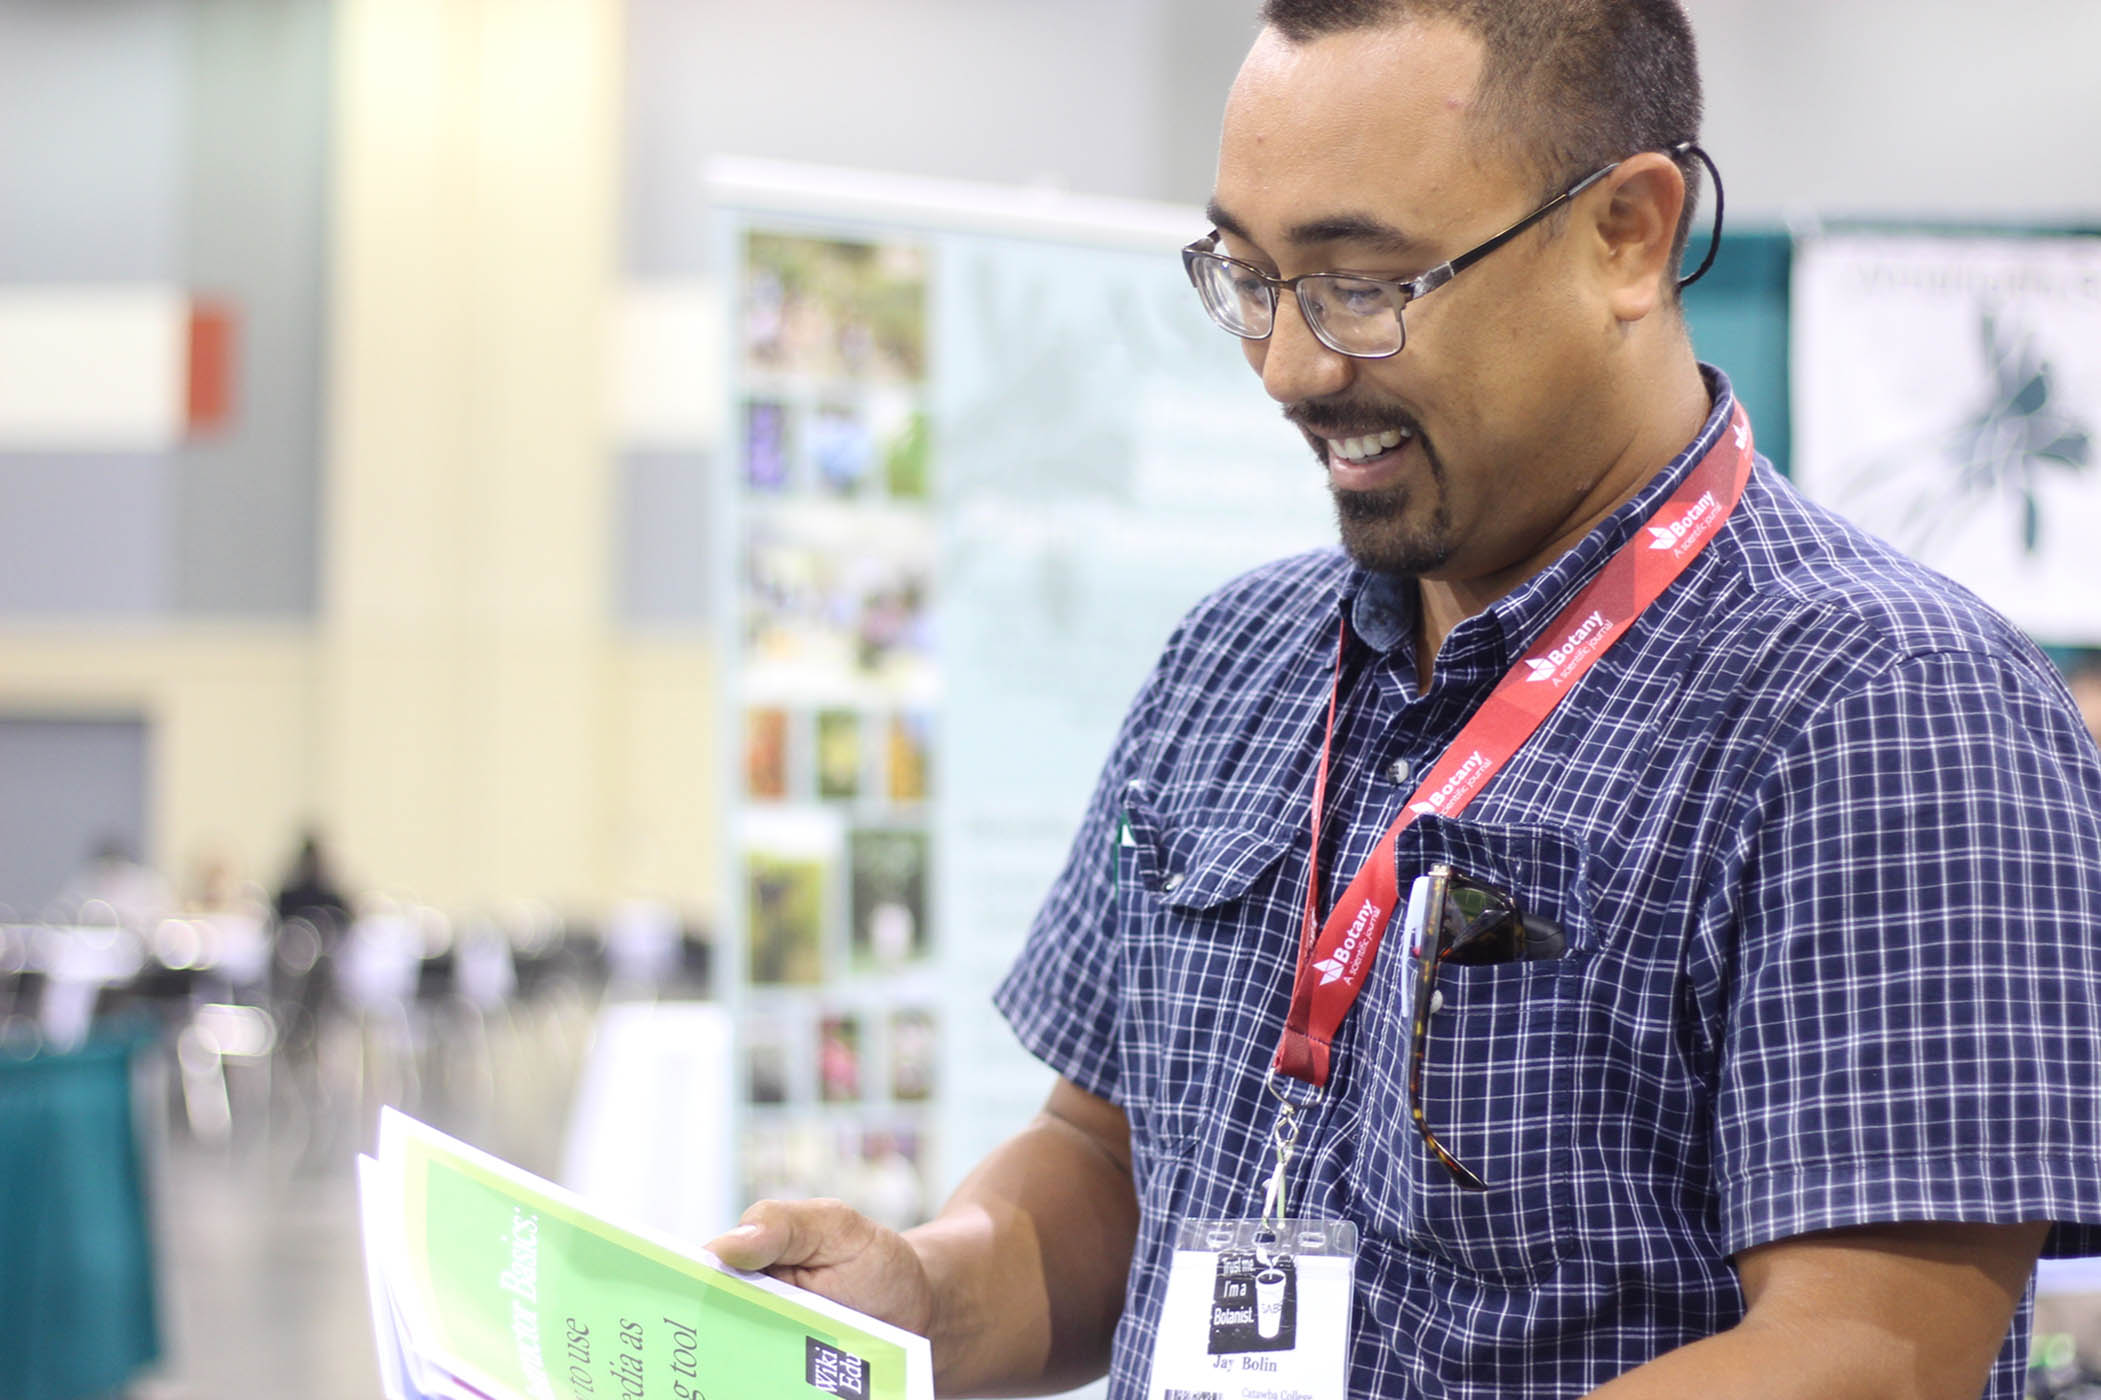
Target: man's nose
(1294, 365)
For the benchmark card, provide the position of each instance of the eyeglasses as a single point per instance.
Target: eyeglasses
(1361, 316)
(1474, 923)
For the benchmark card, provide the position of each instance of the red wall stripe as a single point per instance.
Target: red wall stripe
(210, 404)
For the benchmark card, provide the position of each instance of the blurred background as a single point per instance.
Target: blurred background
(553, 546)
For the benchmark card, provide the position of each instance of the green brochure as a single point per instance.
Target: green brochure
(489, 1283)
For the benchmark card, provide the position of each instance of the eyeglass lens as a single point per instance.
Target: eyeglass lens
(1350, 315)
(1482, 926)
(1238, 299)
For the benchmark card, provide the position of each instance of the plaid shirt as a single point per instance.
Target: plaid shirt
(1824, 833)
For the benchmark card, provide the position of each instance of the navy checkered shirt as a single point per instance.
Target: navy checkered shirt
(1824, 833)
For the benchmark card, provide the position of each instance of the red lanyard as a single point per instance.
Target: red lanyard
(1335, 958)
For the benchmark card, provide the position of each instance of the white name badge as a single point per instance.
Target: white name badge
(1257, 1311)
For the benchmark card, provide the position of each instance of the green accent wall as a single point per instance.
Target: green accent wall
(1738, 314)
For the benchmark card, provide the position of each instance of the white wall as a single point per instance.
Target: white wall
(1939, 108)
(1881, 107)
(1067, 92)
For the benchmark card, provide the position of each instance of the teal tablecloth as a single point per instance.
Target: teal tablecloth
(77, 1312)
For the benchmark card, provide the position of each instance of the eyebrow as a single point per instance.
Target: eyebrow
(1374, 234)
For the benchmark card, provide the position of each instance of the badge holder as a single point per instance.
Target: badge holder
(1258, 1309)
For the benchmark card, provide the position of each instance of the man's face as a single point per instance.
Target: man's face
(1361, 152)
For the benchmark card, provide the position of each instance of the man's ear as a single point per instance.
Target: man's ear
(1636, 223)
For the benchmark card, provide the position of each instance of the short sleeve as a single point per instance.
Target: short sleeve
(1061, 994)
(1915, 1015)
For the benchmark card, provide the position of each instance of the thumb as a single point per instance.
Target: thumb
(757, 1242)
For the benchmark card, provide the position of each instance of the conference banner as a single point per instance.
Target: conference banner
(1947, 397)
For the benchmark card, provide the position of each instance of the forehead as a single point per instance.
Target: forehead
(1377, 123)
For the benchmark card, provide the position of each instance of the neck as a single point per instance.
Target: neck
(1675, 408)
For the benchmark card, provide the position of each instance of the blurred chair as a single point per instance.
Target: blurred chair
(468, 1013)
(79, 961)
(643, 946)
(235, 952)
(18, 994)
(220, 1034)
(301, 983)
(485, 974)
(377, 972)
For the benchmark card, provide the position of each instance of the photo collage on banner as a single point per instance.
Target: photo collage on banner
(1947, 397)
(836, 685)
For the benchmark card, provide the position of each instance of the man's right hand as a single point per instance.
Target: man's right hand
(1018, 1283)
(829, 1248)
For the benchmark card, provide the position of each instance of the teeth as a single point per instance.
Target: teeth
(1359, 449)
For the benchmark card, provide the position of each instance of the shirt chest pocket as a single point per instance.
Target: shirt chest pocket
(1204, 932)
(1498, 1070)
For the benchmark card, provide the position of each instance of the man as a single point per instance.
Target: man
(1799, 1078)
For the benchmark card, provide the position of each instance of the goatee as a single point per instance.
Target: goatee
(1374, 524)
(1376, 532)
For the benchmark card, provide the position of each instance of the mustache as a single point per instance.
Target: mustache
(1332, 420)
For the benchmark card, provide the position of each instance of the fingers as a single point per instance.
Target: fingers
(760, 1240)
(748, 1246)
(791, 1234)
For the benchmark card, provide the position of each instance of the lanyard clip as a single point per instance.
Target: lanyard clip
(1283, 1141)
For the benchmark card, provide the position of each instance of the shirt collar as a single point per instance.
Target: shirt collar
(1381, 607)
(1382, 610)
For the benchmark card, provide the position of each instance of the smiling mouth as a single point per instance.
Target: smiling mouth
(1369, 447)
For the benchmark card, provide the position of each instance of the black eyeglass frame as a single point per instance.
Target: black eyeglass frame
(1406, 290)
(1502, 932)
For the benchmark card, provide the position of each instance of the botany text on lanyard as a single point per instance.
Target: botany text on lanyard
(1335, 957)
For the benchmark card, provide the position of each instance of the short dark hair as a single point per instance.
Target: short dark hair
(1566, 85)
